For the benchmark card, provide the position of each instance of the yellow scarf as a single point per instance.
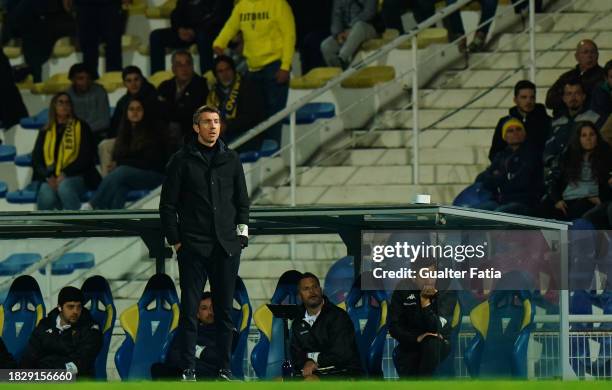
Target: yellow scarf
(69, 148)
(229, 108)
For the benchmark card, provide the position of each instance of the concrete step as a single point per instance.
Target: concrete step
(282, 251)
(491, 79)
(402, 156)
(433, 138)
(388, 175)
(590, 5)
(467, 118)
(575, 21)
(513, 60)
(559, 40)
(455, 98)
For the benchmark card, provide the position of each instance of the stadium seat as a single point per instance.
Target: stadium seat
(376, 43)
(473, 195)
(21, 311)
(63, 48)
(111, 81)
(70, 262)
(314, 79)
(427, 37)
(249, 157)
(99, 302)
(268, 353)
(128, 43)
(17, 263)
(148, 325)
(161, 12)
(54, 84)
(313, 111)
(37, 121)
(242, 322)
(268, 148)
(23, 160)
(339, 279)
(159, 77)
(7, 153)
(503, 325)
(368, 311)
(27, 83)
(136, 7)
(369, 77)
(12, 51)
(25, 195)
(3, 189)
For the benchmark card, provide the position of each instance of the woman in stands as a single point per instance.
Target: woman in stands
(63, 157)
(581, 186)
(138, 159)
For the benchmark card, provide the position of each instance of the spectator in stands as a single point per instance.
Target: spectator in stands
(138, 87)
(515, 174)
(532, 114)
(99, 21)
(206, 223)
(179, 97)
(12, 108)
(420, 319)
(191, 22)
(64, 157)
(138, 159)
(237, 100)
(205, 350)
(6, 359)
(587, 71)
(581, 186)
(564, 125)
(601, 102)
(323, 341)
(68, 338)
(40, 23)
(268, 33)
(352, 24)
(90, 100)
(312, 22)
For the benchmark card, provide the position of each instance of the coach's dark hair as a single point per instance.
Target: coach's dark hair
(523, 84)
(196, 115)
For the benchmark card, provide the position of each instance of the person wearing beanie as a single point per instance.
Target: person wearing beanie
(515, 175)
(68, 338)
(533, 115)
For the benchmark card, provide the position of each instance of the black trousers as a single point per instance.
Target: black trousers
(194, 270)
(422, 359)
(98, 24)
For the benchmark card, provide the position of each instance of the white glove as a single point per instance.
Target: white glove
(198, 351)
(72, 368)
(314, 356)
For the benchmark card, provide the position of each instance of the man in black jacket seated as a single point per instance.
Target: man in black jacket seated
(68, 338)
(420, 319)
(205, 351)
(323, 341)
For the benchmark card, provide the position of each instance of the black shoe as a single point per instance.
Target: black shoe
(227, 376)
(188, 375)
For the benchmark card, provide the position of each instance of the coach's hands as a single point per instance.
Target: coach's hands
(177, 247)
(421, 337)
(309, 367)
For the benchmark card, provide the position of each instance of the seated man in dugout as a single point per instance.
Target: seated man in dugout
(420, 319)
(323, 343)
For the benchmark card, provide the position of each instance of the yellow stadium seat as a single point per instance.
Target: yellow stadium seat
(63, 48)
(158, 77)
(161, 12)
(56, 83)
(128, 43)
(316, 78)
(143, 49)
(12, 51)
(26, 84)
(137, 7)
(377, 43)
(111, 81)
(369, 77)
(428, 37)
(210, 79)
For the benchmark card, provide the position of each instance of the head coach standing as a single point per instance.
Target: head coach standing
(204, 209)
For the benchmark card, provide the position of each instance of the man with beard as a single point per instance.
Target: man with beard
(323, 341)
(68, 338)
(420, 319)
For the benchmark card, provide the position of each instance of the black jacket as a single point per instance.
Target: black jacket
(181, 110)
(207, 15)
(50, 348)
(601, 101)
(408, 320)
(148, 95)
(332, 335)
(12, 108)
(537, 126)
(590, 79)
(6, 359)
(141, 148)
(84, 165)
(515, 176)
(209, 198)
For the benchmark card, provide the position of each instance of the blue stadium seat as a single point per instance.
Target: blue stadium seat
(69, 262)
(242, 321)
(249, 157)
(268, 148)
(503, 324)
(313, 111)
(37, 121)
(17, 263)
(99, 302)
(268, 354)
(24, 160)
(21, 311)
(7, 153)
(473, 195)
(368, 311)
(25, 195)
(3, 189)
(148, 326)
(339, 280)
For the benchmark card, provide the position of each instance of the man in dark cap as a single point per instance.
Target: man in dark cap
(67, 338)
